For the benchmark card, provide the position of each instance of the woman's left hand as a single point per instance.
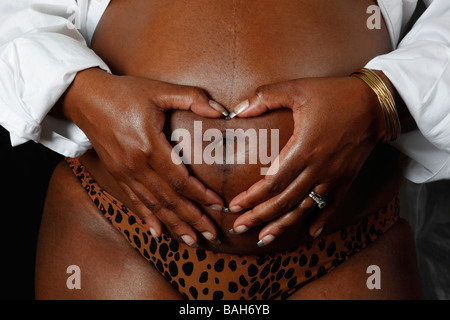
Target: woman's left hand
(337, 123)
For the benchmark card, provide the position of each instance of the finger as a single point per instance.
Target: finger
(167, 217)
(174, 210)
(276, 228)
(167, 162)
(267, 97)
(192, 215)
(154, 224)
(278, 205)
(183, 226)
(144, 212)
(286, 168)
(190, 99)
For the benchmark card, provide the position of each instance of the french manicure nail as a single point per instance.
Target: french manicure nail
(153, 232)
(231, 116)
(317, 234)
(154, 235)
(239, 108)
(208, 235)
(240, 229)
(189, 241)
(211, 238)
(266, 240)
(234, 209)
(216, 207)
(218, 107)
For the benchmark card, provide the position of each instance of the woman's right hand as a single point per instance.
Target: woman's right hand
(124, 117)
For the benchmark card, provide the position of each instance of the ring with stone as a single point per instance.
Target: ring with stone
(318, 199)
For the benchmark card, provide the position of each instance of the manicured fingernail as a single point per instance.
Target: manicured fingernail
(235, 209)
(238, 229)
(219, 108)
(154, 235)
(216, 207)
(317, 233)
(266, 240)
(209, 236)
(239, 108)
(226, 210)
(189, 241)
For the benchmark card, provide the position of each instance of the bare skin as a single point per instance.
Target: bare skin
(234, 61)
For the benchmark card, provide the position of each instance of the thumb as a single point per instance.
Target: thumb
(268, 97)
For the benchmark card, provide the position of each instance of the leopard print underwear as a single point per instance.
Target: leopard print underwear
(205, 275)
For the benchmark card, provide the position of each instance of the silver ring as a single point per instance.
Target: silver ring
(318, 199)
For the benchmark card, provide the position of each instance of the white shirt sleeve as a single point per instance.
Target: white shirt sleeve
(43, 44)
(419, 68)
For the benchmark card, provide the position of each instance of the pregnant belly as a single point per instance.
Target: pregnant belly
(229, 48)
(229, 155)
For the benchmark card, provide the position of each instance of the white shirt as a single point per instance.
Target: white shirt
(40, 56)
(43, 44)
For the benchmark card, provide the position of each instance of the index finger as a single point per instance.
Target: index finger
(267, 97)
(286, 169)
(175, 173)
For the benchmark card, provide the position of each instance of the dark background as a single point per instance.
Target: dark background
(25, 173)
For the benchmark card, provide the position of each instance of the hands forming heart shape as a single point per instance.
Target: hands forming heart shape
(337, 123)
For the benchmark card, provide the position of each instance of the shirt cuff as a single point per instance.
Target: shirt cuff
(36, 71)
(61, 136)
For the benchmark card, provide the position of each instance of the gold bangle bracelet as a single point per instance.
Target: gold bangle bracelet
(387, 102)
